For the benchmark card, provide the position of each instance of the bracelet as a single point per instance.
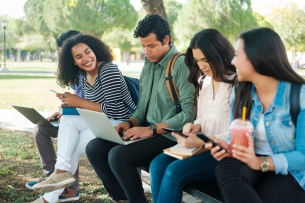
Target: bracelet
(130, 123)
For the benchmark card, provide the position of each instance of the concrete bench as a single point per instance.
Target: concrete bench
(206, 192)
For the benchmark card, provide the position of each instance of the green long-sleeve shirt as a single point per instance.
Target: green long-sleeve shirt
(155, 104)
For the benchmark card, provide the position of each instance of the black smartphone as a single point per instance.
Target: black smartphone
(54, 119)
(179, 132)
(206, 139)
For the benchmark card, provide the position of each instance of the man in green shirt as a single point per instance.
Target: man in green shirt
(116, 165)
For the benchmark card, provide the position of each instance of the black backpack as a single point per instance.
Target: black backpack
(295, 101)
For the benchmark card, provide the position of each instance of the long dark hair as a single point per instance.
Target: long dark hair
(266, 52)
(217, 50)
(68, 72)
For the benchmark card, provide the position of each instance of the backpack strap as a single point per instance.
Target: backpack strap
(295, 101)
(170, 83)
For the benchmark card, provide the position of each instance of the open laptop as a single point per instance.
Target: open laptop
(101, 127)
(36, 117)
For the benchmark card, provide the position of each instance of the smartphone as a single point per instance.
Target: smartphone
(179, 132)
(54, 119)
(206, 139)
(53, 91)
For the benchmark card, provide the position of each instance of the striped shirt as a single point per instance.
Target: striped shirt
(110, 91)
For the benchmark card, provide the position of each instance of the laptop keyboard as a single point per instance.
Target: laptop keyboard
(126, 140)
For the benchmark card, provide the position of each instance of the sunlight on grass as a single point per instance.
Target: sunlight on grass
(30, 91)
(32, 66)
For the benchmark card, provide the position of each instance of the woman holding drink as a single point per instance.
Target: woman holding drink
(272, 167)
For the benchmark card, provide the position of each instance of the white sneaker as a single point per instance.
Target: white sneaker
(39, 200)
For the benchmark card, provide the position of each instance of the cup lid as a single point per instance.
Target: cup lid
(238, 123)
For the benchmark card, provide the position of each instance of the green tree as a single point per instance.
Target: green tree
(168, 9)
(51, 18)
(122, 39)
(98, 16)
(15, 29)
(230, 17)
(288, 22)
(154, 7)
(261, 21)
(172, 8)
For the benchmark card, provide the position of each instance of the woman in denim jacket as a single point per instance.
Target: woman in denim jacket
(272, 168)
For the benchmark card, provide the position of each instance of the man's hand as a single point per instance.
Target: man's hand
(54, 115)
(191, 141)
(137, 132)
(122, 127)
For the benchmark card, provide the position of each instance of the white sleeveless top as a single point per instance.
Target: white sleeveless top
(214, 114)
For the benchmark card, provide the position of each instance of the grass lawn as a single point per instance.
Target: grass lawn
(19, 163)
(31, 66)
(30, 91)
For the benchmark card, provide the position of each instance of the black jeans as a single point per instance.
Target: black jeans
(239, 184)
(116, 165)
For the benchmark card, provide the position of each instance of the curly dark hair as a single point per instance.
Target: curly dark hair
(217, 50)
(153, 24)
(68, 72)
(60, 40)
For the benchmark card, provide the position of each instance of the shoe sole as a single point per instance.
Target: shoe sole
(69, 199)
(55, 186)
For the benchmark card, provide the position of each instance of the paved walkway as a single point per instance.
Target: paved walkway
(13, 120)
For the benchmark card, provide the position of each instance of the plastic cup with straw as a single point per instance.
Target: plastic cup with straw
(238, 129)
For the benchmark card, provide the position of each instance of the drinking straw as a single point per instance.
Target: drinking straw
(244, 114)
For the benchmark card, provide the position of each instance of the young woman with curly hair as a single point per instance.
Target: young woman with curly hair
(105, 91)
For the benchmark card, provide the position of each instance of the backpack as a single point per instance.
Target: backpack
(133, 85)
(170, 84)
(295, 101)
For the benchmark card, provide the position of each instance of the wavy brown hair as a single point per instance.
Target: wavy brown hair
(217, 50)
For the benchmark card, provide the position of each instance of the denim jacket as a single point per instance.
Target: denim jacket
(286, 141)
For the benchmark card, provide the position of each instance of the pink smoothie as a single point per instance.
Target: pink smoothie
(238, 136)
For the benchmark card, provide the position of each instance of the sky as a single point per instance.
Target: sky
(14, 8)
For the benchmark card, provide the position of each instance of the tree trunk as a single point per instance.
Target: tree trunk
(154, 7)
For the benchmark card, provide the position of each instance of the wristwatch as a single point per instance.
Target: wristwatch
(130, 123)
(153, 128)
(264, 165)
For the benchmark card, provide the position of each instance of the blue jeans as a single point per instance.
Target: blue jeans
(169, 175)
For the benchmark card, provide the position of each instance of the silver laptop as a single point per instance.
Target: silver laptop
(36, 117)
(102, 128)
